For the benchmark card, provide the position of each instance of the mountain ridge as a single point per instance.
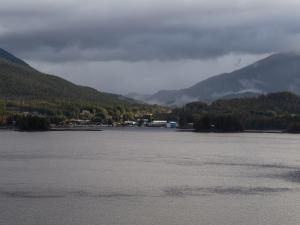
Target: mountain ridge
(5, 55)
(18, 80)
(275, 73)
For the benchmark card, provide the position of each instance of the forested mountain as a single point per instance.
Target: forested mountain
(277, 103)
(24, 89)
(271, 111)
(19, 81)
(276, 73)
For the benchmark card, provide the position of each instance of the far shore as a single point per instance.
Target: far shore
(244, 131)
(101, 128)
(75, 129)
(56, 129)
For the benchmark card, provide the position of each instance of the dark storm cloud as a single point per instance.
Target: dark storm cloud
(132, 30)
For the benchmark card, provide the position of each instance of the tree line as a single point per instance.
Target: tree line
(17, 112)
(275, 111)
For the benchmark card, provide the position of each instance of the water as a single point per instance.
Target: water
(149, 177)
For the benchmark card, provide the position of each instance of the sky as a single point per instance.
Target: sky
(143, 46)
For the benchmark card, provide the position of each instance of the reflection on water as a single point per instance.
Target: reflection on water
(62, 194)
(166, 192)
(149, 177)
(179, 192)
(275, 166)
(292, 176)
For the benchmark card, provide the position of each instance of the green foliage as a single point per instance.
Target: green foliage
(203, 123)
(2, 113)
(274, 103)
(294, 127)
(74, 109)
(2, 107)
(30, 122)
(21, 82)
(267, 112)
(102, 113)
(218, 123)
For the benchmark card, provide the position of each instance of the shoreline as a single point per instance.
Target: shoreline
(245, 131)
(75, 129)
(142, 128)
(55, 129)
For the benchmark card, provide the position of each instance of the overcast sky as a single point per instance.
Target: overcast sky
(146, 45)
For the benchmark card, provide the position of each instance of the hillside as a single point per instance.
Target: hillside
(277, 103)
(26, 90)
(276, 73)
(19, 81)
(4, 55)
(271, 111)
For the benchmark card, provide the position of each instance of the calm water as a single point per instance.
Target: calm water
(153, 177)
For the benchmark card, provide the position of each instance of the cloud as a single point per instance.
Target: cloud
(146, 45)
(144, 30)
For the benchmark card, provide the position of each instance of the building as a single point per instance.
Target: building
(158, 123)
(129, 123)
(171, 124)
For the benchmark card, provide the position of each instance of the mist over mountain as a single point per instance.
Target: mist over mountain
(276, 73)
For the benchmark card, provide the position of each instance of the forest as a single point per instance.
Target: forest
(274, 111)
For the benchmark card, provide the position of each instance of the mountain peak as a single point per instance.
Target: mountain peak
(11, 58)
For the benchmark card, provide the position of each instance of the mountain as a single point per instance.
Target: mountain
(20, 81)
(4, 55)
(273, 111)
(276, 73)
